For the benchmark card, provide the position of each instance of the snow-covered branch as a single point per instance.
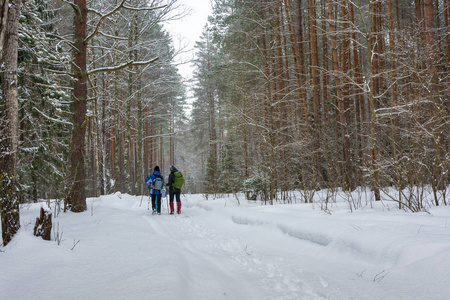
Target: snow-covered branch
(97, 27)
(144, 8)
(52, 119)
(124, 65)
(119, 6)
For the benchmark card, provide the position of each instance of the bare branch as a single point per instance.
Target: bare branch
(90, 10)
(113, 36)
(124, 65)
(143, 8)
(71, 4)
(58, 72)
(52, 119)
(62, 39)
(119, 6)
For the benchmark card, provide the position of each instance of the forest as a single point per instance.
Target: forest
(306, 95)
(287, 95)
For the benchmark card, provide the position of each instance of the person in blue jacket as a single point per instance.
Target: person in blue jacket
(155, 189)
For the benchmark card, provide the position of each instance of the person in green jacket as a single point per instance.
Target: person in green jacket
(174, 188)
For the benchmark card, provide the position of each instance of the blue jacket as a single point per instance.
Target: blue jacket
(149, 181)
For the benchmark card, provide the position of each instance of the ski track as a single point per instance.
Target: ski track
(257, 271)
(254, 275)
(265, 268)
(207, 277)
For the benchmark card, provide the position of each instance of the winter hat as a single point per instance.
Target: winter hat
(156, 169)
(173, 168)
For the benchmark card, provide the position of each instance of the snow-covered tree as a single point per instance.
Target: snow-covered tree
(9, 119)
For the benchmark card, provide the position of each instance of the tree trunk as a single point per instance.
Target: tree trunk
(9, 121)
(172, 136)
(394, 118)
(308, 165)
(343, 108)
(128, 147)
(140, 135)
(372, 105)
(326, 68)
(146, 142)
(102, 141)
(161, 150)
(447, 43)
(268, 107)
(76, 198)
(280, 94)
(314, 69)
(121, 144)
(301, 66)
(360, 112)
(212, 172)
(152, 133)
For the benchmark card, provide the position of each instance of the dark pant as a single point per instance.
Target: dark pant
(176, 194)
(156, 202)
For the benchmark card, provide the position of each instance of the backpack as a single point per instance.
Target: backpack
(157, 184)
(177, 180)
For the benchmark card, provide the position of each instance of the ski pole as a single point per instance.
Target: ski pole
(143, 188)
(141, 199)
(142, 196)
(149, 196)
(167, 204)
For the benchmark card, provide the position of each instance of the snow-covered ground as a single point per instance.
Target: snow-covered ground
(217, 249)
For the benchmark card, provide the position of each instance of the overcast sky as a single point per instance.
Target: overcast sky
(186, 31)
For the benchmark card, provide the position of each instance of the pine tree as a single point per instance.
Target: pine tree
(44, 110)
(9, 120)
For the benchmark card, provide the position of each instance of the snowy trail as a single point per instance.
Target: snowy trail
(201, 275)
(218, 249)
(264, 263)
(216, 256)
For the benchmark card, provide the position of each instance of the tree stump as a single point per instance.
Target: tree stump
(43, 226)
